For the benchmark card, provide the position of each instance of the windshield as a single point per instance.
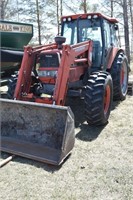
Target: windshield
(87, 29)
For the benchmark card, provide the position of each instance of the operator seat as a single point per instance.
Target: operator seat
(96, 54)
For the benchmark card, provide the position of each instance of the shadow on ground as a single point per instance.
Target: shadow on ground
(21, 160)
(86, 132)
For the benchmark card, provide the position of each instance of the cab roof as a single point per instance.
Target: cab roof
(84, 16)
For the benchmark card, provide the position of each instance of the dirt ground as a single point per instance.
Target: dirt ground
(99, 168)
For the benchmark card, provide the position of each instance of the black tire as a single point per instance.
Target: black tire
(11, 85)
(98, 98)
(119, 72)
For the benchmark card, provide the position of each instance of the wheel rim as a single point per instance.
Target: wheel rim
(123, 78)
(107, 99)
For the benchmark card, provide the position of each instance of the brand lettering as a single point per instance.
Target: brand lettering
(4, 27)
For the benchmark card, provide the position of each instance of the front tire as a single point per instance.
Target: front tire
(98, 98)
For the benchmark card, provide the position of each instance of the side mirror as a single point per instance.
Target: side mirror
(116, 27)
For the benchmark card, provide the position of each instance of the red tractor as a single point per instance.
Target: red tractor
(85, 61)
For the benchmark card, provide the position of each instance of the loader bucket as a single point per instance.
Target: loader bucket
(37, 131)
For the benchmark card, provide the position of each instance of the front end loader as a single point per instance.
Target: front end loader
(36, 124)
(86, 62)
(37, 131)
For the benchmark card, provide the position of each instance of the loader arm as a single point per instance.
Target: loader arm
(70, 56)
(24, 78)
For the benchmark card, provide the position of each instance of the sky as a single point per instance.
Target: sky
(95, 2)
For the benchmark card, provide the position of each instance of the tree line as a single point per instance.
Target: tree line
(45, 15)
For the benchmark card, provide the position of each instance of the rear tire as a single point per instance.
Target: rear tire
(11, 85)
(119, 73)
(98, 98)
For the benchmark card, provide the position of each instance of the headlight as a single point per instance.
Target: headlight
(69, 19)
(89, 17)
(95, 16)
(64, 19)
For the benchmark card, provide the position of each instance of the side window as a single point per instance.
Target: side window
(67, 33)
(107, 33)
(70, 33)
(114, 39)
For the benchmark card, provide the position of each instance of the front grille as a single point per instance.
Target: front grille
(49, 60)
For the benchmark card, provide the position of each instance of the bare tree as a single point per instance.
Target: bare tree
(57, 16)
(85, 6)
(3, 6)
(126, 29)
(131, 18)
(61, 7)
(38, 22)
(59, 11)
(112, 8)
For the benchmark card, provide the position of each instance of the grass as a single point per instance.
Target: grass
(99, 168)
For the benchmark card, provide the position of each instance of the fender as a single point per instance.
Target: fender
(112, 52)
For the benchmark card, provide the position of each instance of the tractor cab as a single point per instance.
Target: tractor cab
(93, 26)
